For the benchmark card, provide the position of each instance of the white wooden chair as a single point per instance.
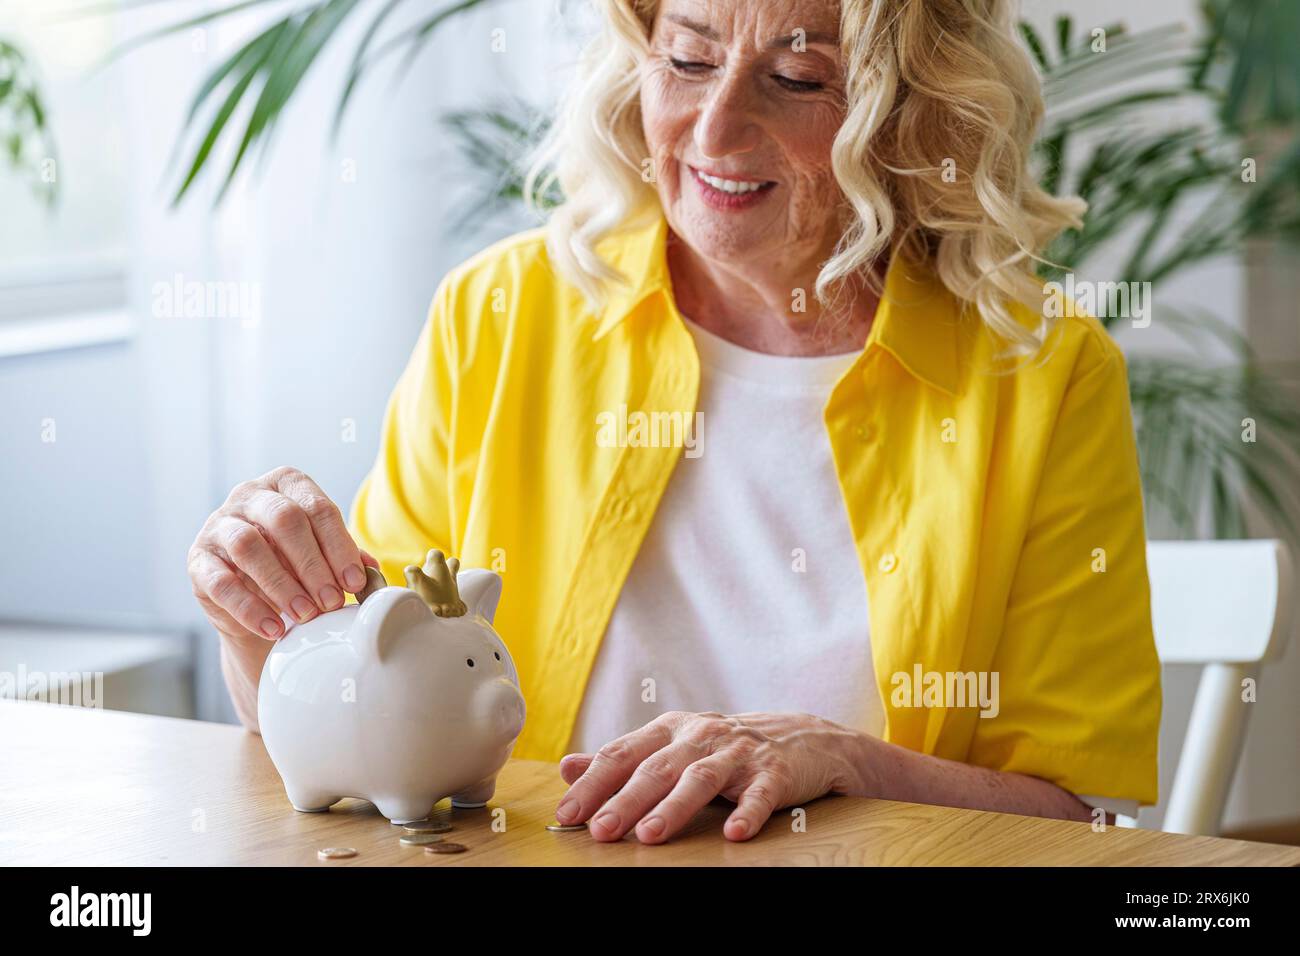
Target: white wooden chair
(1225, 605)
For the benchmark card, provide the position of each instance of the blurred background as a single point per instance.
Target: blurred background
(222, 221)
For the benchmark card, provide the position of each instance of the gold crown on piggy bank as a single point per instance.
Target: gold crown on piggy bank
(435, 582)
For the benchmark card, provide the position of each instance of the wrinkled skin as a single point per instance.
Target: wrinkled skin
(660, 776)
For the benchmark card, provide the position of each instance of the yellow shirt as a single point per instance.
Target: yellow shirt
(997, 518)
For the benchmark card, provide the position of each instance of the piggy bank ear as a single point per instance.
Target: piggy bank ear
(386, 615)
(480, 589)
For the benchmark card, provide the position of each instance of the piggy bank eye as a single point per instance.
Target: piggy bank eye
(469, 661)
(496, 655)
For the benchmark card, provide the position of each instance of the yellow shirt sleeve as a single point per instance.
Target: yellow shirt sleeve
(402, 507)
(1078, 671)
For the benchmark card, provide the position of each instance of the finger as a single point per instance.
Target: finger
(222, 620)
(653, 780)
(331, 531)
(246, 549)
(756, 805)
(251, 584)
(699, 783)
(369, 559)
(285, 525)
(222, 585)
(574, 766)
(613, 764)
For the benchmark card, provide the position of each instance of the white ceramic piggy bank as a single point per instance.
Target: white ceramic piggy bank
(403, 699)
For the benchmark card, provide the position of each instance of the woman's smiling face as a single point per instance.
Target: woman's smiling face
(741, 101)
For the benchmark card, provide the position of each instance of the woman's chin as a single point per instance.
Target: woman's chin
(723, 241)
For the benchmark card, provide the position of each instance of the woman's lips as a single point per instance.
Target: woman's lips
(721, 198)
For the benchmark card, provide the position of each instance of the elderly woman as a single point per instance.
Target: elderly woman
(796, 488)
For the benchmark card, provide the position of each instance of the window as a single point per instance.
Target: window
(63, 260)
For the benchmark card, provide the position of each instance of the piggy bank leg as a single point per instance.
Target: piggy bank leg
(404, 809)
(306, 800)
(475, 796)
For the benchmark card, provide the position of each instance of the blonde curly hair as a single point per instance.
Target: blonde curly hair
(931, 86)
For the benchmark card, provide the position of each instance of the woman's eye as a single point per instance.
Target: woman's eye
(799, 86)
(689, 66)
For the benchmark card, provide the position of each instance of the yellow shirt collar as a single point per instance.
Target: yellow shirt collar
(918, 321)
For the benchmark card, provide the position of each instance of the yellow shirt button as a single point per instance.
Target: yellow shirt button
(865, 432)
(888, 562)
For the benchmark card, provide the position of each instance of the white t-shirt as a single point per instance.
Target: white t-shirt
(747, 594)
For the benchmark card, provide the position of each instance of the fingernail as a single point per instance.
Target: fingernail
(354, 578)
(271, 627)
(740, 827)
(330, 597)
(654, 826)
(609, 820)
(567, 809)
(302, 608)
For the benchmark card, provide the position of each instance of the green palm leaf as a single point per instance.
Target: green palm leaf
(27, 142)
(268, 68)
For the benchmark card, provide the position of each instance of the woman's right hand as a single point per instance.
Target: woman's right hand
(278, 543)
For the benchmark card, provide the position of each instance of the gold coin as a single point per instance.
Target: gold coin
(445, 848)
(335, 853)
(427, 826)
(565, 827)
(419, 839)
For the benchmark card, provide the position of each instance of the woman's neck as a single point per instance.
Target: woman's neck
(757, 310)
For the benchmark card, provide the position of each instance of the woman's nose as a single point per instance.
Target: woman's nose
(726, 123)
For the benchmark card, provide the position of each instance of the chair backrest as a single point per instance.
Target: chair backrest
(1225, 605)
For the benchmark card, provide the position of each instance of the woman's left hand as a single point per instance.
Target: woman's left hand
(657, 778)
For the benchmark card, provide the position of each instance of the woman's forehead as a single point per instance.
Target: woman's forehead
(765, 22)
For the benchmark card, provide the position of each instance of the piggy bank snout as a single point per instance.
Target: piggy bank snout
(502, 708)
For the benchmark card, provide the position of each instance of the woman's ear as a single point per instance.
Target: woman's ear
(480, 589)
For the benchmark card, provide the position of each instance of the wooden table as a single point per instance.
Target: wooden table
(92, 787)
